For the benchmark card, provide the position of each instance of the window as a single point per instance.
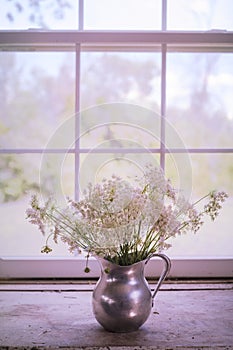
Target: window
(103, 92)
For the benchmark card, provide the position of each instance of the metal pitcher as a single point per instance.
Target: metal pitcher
(122, 299)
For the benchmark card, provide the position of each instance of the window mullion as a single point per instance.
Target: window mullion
(164, 15)
(163, 105)
(81, 15)
(77, 121)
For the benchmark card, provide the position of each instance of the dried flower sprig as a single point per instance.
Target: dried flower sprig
(122, 223)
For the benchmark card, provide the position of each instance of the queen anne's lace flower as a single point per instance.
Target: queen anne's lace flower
(122, 223)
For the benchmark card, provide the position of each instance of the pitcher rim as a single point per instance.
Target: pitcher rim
(144, 261)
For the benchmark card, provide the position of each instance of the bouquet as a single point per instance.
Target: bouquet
(121, 222)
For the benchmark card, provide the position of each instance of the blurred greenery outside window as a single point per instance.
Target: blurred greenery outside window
(99, 110)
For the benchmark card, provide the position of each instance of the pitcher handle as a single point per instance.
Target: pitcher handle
(165, 272)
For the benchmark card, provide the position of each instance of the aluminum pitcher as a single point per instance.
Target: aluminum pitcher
(122, 300)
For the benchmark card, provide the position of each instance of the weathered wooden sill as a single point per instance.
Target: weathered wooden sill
(57, 314)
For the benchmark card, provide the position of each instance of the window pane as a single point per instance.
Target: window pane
(37, 95)
(122, 14)
(95, 167)
(119, 125)
(56, 175)
(21, 175)
(50, 14)
(114, 77)
(209, 172)
(199, 96)
(200, 14)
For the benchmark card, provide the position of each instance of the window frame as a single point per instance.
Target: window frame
(150, 41)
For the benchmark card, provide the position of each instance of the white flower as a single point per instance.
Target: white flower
(122, 223)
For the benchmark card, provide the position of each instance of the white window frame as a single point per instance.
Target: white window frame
(150, 41)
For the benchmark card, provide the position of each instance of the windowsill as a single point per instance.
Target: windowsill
(49, 313)
(72, 267)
